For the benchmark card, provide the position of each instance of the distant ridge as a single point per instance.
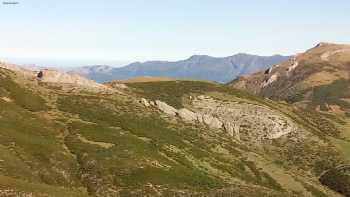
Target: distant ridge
(317, 79)
(197, 67)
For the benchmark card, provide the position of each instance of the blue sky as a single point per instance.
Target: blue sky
(136, 30)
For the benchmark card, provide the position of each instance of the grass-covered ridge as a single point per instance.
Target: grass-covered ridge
(172, 92)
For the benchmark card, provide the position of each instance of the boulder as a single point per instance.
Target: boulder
(145, 102)
(166, 108)
(187, 115)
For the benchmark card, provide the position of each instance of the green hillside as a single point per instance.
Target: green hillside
(58, 141)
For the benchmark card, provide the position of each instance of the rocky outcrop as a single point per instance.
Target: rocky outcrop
(273, 78)
(162, 106)
(244, 121)
(145, 102)
(232, 129)
(187, 115)
(212, 122)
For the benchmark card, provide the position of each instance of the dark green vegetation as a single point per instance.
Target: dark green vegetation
(338, 179)
(58, 142)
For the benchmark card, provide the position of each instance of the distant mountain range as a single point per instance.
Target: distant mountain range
(198, 67)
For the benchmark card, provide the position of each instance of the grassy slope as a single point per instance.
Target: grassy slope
(297, 154)
(29, 144)
(149, 154)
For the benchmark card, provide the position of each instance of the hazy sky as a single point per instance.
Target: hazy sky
(131, 30)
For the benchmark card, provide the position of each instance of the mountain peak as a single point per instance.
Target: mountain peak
(198, 57)
(321, 44)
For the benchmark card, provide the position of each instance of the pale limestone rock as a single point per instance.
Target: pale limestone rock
(6, 99)
(232, 129)
(229, 128)
(120, 85)
(244, 121)
(166, 108)
(152, 103)
(187, 115)
(272, 79)
(212, 122)
(199, 118)
(145, 102)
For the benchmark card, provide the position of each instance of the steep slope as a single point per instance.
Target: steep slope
(140, 140)
(198, 67)
(318, 78)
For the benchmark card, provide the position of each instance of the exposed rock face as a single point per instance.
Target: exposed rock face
(212, 122)
(270, 80)
(294, 65)
(232, 129)
(243, 120)
(166, 108)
